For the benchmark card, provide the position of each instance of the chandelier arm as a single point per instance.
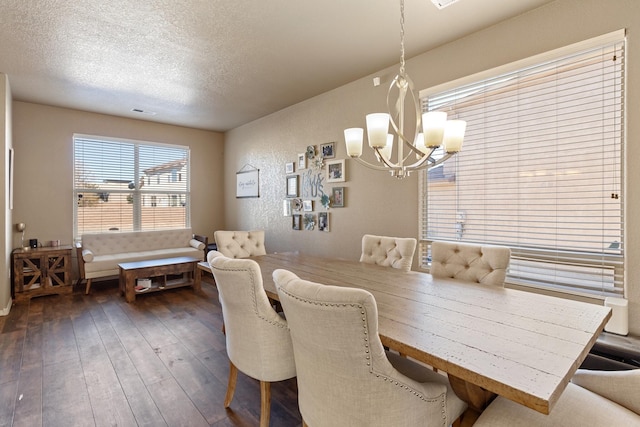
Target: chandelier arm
(376, 167)
(441, 160)
(405, 85)
(385, 161)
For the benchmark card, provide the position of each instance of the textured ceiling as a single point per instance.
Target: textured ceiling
(215, 64)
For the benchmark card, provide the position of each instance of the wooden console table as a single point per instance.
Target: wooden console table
(41, 271)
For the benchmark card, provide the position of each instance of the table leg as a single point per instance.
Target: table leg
(197, 278)
(121, 284)
(130, 285)
(476, 397)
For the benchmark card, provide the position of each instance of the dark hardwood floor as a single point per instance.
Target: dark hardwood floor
(78, 360)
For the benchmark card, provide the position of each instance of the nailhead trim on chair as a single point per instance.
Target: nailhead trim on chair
(366, 339)
(253, 295)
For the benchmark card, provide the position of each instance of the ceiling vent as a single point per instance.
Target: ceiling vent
(441, 4)
(141, 111)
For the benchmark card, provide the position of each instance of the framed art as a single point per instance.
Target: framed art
(336, 171)
(307, 205)
(309, 221)
(286, 207)
(323, 221)
(248, 184)
(292, 186)
(328, 150)
(337, 197)
(289, 168)
(297, 222)
(302, 161)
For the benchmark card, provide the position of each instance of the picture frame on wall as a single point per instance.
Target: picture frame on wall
(248, 183)
(307, 205)
(292, 186)
(296, 223)
(337, 197)
(327, 151)
(289, 167)
(286, 207)
(336, 171)
(302, 161)
(323, 221)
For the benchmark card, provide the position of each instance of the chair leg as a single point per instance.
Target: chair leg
(88, 287)
(265, 403)
(231, 386)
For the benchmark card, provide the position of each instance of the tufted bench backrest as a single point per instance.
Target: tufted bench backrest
(136, 241)
(240, 244)
(470, 263)
(396, 252)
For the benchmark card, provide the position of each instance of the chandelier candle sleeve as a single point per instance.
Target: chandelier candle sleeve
(386, 151)
(353, 139)
(377, 128)
(420, 145)
(454, 135)
(433, 125)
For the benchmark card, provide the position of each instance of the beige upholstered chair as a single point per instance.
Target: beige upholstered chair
(345, 378)
(240, 244)
(471, 263)
(393, 252)
(258, 340)
(594, 398)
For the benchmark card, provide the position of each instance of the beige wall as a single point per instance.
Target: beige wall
(43, 143)
(5, 129)
(377, 203)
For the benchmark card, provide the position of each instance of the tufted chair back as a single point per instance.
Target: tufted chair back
(471, 263)
(344, 375)
(240, 244)
(393, 252)
(258, 339)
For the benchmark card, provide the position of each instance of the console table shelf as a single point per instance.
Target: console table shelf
(41, 271)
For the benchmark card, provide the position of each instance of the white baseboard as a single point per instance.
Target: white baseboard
(5, 311)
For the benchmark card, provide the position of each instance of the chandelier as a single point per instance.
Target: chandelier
(431, 129)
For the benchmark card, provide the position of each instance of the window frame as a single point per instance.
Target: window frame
(139, 194)
(616, 263)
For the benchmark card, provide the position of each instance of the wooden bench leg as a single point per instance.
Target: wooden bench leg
(88, 287)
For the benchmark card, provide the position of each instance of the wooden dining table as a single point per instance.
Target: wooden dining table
(489, 340)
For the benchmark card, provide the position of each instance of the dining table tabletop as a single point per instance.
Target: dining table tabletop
(490, 340)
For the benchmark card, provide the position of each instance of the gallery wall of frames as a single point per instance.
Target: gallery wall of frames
(313, 187)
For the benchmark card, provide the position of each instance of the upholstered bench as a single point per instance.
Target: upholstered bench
(99, 254)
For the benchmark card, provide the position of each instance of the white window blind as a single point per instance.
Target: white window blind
(541, 171)
(123, 185)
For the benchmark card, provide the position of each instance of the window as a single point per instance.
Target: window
(541, 169)
(114, 189)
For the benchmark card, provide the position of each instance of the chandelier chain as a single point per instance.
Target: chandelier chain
(402, 37)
